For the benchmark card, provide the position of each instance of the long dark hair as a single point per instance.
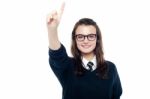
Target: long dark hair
(102, 67)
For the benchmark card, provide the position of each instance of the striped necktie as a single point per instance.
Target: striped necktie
(90, 64)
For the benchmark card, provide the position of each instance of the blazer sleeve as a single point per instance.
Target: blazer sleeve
(117, 87)
(59, 63)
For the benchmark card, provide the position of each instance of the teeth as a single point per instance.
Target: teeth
(86, 46)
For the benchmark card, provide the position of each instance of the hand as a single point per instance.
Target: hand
(53, 19)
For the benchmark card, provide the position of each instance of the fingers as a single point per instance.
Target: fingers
(52, 16)
(56, 15)
(61, 10)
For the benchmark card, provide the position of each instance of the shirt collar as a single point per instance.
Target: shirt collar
(85, 61)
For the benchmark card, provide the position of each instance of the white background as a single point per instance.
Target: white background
(24, 68)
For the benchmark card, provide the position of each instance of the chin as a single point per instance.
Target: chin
(85, 51)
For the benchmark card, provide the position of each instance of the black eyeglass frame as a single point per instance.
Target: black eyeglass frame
(88, 37)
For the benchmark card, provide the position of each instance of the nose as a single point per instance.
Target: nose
(86, 39)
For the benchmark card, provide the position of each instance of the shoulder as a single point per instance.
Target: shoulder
(72, 60)
(111, 66)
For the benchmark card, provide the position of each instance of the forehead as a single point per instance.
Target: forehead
(85, 29)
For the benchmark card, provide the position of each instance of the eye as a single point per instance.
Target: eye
(79, 36)
(92, 35)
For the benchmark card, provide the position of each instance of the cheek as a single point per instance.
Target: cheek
(94, 45)
(78, 45)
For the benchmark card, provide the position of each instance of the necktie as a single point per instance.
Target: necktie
(90, 64)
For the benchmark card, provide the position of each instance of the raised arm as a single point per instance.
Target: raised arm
(53, 20)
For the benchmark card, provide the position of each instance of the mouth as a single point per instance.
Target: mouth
(85, 46)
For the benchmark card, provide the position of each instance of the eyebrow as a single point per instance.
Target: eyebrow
(83, 34)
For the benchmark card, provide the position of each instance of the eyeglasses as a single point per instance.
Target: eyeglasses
(90, 37)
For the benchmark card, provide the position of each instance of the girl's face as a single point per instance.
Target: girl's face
(86, 39)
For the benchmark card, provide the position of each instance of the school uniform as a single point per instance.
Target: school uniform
(88, 86)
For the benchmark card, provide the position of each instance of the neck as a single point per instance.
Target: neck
(88, 56)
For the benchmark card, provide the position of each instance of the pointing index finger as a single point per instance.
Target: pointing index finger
(61, 10)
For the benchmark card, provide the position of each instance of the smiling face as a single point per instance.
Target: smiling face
(88, 44)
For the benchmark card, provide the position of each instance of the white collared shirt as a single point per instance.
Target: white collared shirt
(85, 62)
